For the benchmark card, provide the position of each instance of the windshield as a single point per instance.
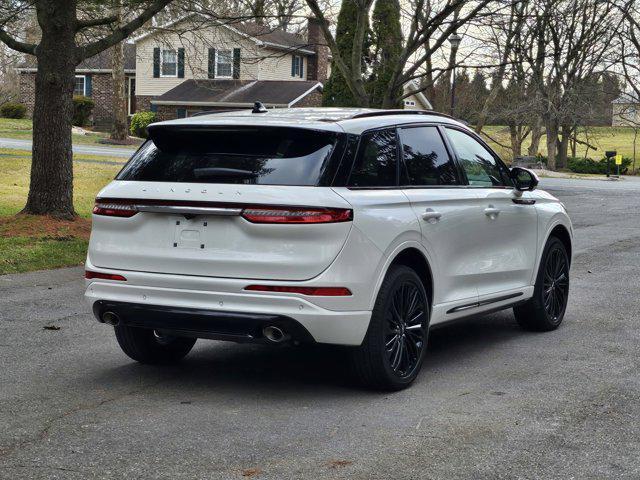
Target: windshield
(266, 156)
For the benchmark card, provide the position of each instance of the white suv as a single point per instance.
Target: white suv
(351, 227)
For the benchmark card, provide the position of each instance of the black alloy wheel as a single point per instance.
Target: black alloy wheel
(556, 284)
(545, 310)
(406, 321)
(395, 345)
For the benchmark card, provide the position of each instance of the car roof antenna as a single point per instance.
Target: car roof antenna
(258, 107)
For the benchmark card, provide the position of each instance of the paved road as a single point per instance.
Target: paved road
(493, 402)
(103, 151)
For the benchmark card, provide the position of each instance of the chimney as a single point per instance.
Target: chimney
(318, 64)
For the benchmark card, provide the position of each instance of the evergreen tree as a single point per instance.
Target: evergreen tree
(336, 91)
(387, 43)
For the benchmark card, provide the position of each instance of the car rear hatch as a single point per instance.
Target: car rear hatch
(237, 202)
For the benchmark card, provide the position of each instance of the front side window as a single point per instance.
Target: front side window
(169, 67)
(426, 161)
(478, 163)
(224, 63)
(376, 164)
(78, 88)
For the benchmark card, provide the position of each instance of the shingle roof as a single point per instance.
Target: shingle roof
(210, 92)
(101, 61)
(271, 35)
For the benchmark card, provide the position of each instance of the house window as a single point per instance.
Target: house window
(169, 63)
(224, 64)
(409, 103)
(79, 87)
(296, 66)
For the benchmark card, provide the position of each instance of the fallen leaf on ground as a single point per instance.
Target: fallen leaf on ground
(51, 327)
(339, 463)
(251, 472)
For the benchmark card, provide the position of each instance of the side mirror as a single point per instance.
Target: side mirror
(524, 179)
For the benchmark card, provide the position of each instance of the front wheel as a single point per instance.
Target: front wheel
(150, 346)
(545, 310)
(392, 352)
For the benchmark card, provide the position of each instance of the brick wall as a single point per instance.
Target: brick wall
(317, 64)
(28, 91)
(314, 99)
(143, 103)
(101, 94)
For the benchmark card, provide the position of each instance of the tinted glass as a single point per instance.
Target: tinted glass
(376, 164)
(478, 163)
(268, 156)
(425, 157)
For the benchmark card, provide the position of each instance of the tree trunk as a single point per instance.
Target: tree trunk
(536, 135)
(516, 141)
(563, 147)
(119, 131)
(552, 143)
(51, 187)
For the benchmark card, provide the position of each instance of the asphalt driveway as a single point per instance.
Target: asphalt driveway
(492, 402)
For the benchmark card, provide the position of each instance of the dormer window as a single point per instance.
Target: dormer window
(169, 63)
(224, 63)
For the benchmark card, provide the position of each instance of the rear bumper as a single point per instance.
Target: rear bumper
(226, 315)
(192, 322)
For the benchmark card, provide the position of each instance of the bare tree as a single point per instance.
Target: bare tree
(503, 35)
(119, 131)
(564, 43)
(429, 25)
(62, 23)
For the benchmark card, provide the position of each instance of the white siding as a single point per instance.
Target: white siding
(256, 63)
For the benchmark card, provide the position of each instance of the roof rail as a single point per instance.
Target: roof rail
(379, 113)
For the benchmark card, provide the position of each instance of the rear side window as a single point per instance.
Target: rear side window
(376, 163)
(426, 161)
(265, 156)
(478, 163)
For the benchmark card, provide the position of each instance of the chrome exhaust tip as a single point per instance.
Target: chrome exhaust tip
(110, 318)
(274, 334)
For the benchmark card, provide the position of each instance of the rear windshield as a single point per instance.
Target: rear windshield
(266, 156)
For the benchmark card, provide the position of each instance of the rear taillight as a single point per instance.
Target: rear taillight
(297, 215)
(112, 209)
(311, 291)
(88, 274)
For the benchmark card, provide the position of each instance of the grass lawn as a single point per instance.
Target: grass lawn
(22, 129)
(604, 138)
(34, 243)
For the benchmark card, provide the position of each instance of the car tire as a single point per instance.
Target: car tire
(393, 349)
(148, 346)
(545, 310)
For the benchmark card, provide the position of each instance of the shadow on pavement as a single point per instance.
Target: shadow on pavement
(312, 368)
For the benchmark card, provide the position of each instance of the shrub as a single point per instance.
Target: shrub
(82, 108)
(13, 110)
(139, 123)
(589, 165)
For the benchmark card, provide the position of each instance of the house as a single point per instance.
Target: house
(93, 79)
(625, 111)
(416, 101)
(190, 66)
(193, 64)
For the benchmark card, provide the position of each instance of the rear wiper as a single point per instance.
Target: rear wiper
(223, 172)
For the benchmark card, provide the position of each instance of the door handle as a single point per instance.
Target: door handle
(430, 215)
(491, 211)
